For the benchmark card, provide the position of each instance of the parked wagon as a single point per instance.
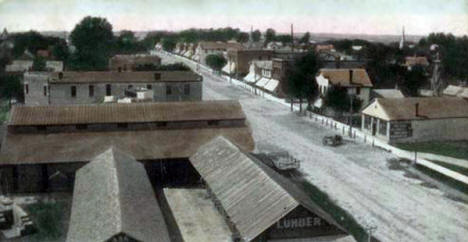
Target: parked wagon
(334, 140)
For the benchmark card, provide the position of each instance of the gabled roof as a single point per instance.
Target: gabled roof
(253, 196)
(113, 195)
(343, 77)
(125, 113)
(429, 108)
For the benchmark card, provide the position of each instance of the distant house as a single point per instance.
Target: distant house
(356, 81)
(262, 205)
(239, 60)
(131, 62)
(19, 66)
(268, 75)
(324, 48)
(455, 91)
(417, 119)
(206, 48)
(54, 66)
(92, 87)
(113, 200)
(411, 61)
(45, 140)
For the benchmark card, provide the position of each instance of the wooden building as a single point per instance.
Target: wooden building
(45, 145)
(258, 203)
(416, 119)
(113, 200)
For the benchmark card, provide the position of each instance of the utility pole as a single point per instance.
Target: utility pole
(292, 38)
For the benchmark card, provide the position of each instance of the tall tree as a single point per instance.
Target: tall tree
(242, 37)
(339, 100)
(168, 44)
(270, 35)
(93, 39)
(305, 38)
(39, 64)
(414, 79)
(301, 78)
(256, 35)
(216, 62)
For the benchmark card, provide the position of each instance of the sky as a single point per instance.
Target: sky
(420, 17)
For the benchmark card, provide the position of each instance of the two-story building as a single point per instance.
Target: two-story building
(206, 48)
(42, 88)
(356, 81)
(268, 75)
(239, 60)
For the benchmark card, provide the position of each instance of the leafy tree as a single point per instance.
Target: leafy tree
(242, 37)
(338, 99)
(39, 64)
(305, 38)
(284, 38)
(270, 35)
(11, 87)
(93, 39)
(256, 35)
(127, 43)
(168, 44)
(301, 78)
(216, 62)
(60, 51)
(169, 67)
(414, 80)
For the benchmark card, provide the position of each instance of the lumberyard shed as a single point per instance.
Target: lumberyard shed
(46, 140)
(417, 119)
(258, 203)
(113, 201)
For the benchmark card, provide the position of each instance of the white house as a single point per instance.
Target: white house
(356, 81)
(416, 119)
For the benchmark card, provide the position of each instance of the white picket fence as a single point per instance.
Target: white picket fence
(419, 158)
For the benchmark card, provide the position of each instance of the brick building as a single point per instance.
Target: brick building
(239, 60)
(91, 87)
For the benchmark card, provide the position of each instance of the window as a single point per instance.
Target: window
(186, 89)
(122, 125)
(26, 88)
(91, 90)
(149, 87)
(129, 86)
(358, 90)
(81, 126)
(73, 91)
(45, 90)
(168, 90)
(108, 90)
(213, 122)
(367, 122)
(383, 127)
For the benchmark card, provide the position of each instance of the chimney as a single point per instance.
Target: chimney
(416, 109)
(350, 76)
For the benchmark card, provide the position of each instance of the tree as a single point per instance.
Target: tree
(11, 87)
(270, 35)
(338, 99)
(168, 44)
(301, 78)
(127, 43)
(93, 39)
(242, 37)
(284, 38)
(305, 38)
(414, 79)
(215, 62)
(39, 64)
(256, 35)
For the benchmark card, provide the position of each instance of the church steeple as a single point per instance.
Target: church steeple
(403, 38)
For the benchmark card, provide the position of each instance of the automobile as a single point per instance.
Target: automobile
(333, 140)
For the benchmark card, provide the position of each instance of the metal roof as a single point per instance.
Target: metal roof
(429, 108)
(69, 77)
(126, 113)
(253, 196)
(113, 195)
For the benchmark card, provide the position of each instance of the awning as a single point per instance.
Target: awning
(272, 85)
(226, 69)
(250, 78)
(262, 82)
(196, 57)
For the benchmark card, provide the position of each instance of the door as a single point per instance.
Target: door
(374, 128)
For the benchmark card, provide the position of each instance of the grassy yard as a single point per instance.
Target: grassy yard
(4, 110)
(455, 168)
(456, 149)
